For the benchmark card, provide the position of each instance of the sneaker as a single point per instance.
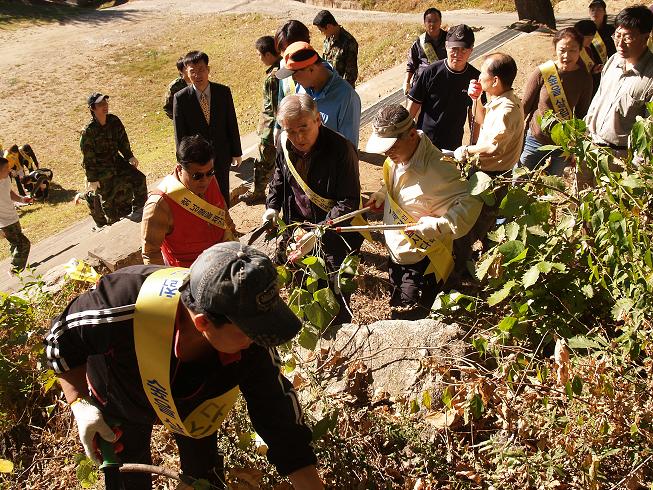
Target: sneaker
(252, 198)
(136, 215)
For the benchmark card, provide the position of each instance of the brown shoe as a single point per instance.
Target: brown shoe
(251, 198)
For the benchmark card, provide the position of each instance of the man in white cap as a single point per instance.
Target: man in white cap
(423, 190)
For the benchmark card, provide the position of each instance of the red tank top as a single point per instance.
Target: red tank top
(191, 235)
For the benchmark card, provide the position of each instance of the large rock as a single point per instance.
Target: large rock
(398, 357)
(119, 245)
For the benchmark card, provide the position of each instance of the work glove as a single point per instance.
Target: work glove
(430, 227)
(134, 161)
(270, 215)
(90, 422)
(474, 90)
(376, 200)
(460, 153)
(236, 161)
(303, 244)
(92, 186)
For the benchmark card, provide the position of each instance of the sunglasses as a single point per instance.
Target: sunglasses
(201, 175)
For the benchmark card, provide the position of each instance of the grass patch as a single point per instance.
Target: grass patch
(136, 77)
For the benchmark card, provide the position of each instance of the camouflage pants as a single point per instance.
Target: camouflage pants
(119, 195)
(263, 167)
(19, 246)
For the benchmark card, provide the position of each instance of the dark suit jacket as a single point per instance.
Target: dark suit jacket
(189, 120)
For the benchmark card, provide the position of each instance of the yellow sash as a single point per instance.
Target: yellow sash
(321, 202)
(587, 60)
(428, 49)
(440, 258)
(154, 320)
(554, 87)
(193, 203)
(598, 43)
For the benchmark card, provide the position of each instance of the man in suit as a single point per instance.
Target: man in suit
(207, 108)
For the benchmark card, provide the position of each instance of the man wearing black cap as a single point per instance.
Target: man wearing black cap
(154, 343)
(440, 93)
(111, 170)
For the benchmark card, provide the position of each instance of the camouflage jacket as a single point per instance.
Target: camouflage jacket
(270, 103)
(104, 148)
(175, 86)
(342, 52)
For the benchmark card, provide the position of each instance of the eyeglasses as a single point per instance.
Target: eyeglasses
(201, 175)
(627, 39)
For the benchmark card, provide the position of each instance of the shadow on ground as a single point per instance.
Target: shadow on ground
(14, 12)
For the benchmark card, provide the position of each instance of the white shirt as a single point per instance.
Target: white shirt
(8, 214)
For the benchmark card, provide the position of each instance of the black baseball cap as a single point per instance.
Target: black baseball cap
(95, 97)
(460, 36)
(239, 282)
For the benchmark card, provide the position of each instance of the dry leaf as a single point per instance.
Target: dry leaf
(442, 420)
(470, 475)
(561, 357)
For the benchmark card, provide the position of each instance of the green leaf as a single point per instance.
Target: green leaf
(414, 406)
(484, 265)
(519, 258)
(588, 291)
(308, 338)
(511, 249)
(577, 385)
(324, 425)
(447, 396)
(426, 399)
(316, 268)
(312, 284)
(554, 181)
(328, 301)
(6, 466)
(479, 183)
(283, 275)
(621, 308)
(476, 406)
(498, 296)
(507, 323)
(512, 230)
(583, 342)
(498, 235)
(87, 473)
(531, 276)
(514, 202)
(349, 265)
(549, 147)
(632, 182)
(569, 391)
(316, 315)
(539, 212)
(347, 285)
(480, 344)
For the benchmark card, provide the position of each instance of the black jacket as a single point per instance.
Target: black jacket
(96, 329)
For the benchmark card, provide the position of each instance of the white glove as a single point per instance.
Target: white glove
(236, 161)
(270, 215)
(302, 246)
(90, 422)
(92, 186)
(430, 227)
(376, 200)
(460, 153)
(134, 161)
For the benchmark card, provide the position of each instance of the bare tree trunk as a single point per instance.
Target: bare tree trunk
(538, 10)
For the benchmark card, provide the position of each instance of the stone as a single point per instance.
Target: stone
(119, 245)
(395, 352)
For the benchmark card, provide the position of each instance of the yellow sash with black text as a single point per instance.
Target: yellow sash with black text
(193, 203)
(321, 202)
(154, 330)
(440, 258)
(556, 92)
(587, 60)
(598, 43)
(428, 49)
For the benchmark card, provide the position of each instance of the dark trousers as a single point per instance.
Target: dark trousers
(410, 286)
(198, 457)
(119, 195)
(263, 167)
(222, 176)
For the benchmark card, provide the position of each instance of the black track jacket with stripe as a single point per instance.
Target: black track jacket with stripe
(96, 329)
